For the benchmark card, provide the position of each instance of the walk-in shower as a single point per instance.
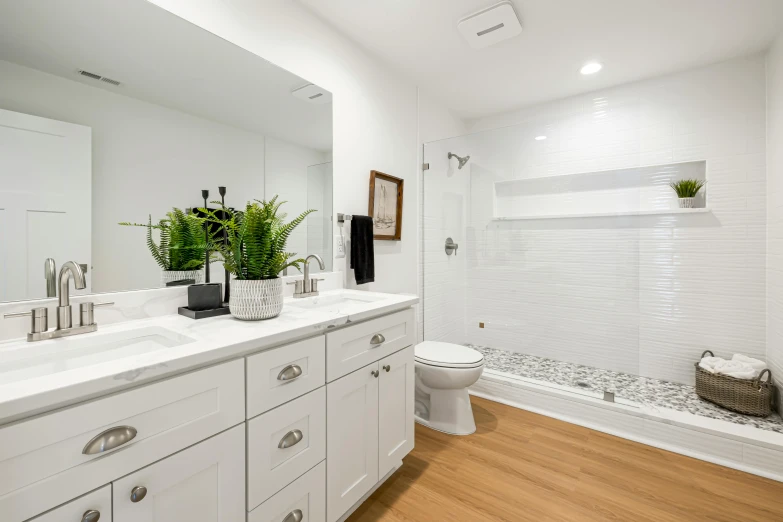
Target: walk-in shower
(577, 269)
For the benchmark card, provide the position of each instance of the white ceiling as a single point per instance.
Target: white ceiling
(634, 39)
(162, 59)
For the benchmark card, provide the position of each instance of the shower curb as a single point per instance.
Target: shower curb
(734, 446)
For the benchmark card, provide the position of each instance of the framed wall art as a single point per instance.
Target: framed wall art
(386, 206)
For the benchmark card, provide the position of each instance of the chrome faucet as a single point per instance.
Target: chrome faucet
(308, 287)
(39, 326)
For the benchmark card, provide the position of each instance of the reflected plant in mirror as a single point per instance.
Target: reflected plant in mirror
(182, 246)
(255, 255)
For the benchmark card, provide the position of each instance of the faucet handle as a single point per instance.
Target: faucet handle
(314, 283)
(298, 286)
(39, 322)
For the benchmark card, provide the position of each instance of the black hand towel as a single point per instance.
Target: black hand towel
(362, 252)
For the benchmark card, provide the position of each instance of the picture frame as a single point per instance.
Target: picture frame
(385, 207)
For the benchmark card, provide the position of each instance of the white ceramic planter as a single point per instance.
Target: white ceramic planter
(686, 202)
(256, 300)
(167, 276)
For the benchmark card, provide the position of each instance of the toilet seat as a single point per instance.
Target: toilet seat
(447, 355)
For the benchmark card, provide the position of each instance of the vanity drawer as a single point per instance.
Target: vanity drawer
(42, 463)
(354, 347)
(305, 498)
(300, 428)
(285, 373)
(77, 509)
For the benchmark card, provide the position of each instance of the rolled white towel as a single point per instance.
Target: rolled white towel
(709, 363)
(757, 365)
(737, 370)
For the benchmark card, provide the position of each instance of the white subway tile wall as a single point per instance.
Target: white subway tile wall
(775, 209)
(637, 294)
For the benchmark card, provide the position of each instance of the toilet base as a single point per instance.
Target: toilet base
(449, 412)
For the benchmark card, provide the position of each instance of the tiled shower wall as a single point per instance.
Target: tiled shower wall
(640, 294)
(775, 208)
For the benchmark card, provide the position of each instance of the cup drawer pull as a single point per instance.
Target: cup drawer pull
(378, 339)
(294, 516)
(292, 438)
(289, 373)
(110, 439)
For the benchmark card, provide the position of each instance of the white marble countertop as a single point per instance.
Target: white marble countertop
(209, 341)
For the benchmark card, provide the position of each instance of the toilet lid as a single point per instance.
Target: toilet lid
(447, 355)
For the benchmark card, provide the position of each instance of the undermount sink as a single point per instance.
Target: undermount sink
(334, 302)
(23, 360)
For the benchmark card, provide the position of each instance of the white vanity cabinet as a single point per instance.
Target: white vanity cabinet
(204, 483)
(370, 423)
(299, 432)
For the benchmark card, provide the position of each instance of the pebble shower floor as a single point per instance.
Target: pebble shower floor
(641, 390)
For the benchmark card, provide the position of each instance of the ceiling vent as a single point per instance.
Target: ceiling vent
(490, 26)
(98, 77)
(313, 94)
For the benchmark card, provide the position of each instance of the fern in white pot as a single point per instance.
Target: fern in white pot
(255, 255)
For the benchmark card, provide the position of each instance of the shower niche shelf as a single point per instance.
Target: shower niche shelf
(636, 191)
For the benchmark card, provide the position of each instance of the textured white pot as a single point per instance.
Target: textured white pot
(686, 202)
(167, 276)
(256, 300)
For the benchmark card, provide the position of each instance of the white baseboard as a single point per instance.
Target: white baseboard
(735, 446)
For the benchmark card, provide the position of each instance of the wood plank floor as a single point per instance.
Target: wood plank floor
(520, 466)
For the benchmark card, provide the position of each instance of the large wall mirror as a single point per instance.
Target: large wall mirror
(117, 111)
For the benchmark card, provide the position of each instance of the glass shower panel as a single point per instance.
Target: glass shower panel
(549, 216)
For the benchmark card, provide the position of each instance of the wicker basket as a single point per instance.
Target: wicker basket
(749, 396)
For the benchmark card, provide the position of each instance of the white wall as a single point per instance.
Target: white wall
(146, 159)
(375, 113)
(643, 295)
(775, 208)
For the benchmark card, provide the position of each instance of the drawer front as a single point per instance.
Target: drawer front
(285, 373)
(77, 510)
(283, 444)
(305, 498)
(353, 347)
(42, 463)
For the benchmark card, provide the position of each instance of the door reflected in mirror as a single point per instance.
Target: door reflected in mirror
(122, 114)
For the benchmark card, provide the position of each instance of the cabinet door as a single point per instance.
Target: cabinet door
(204, 483)
(351, 439)
(395, 409)
(91, 507)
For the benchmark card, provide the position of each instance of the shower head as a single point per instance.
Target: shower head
(462, 161)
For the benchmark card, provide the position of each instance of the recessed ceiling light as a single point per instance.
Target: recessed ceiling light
(540, 138)
(591, 68)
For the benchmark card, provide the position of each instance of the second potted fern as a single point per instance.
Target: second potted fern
(255, 256)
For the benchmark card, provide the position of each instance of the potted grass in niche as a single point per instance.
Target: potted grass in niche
(686, 190)
(182, 246)
(255, 255)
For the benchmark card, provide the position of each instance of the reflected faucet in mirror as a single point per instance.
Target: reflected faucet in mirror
(39, 324)
(50, 269)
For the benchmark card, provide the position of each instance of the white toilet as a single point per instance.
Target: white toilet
(444, 371)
